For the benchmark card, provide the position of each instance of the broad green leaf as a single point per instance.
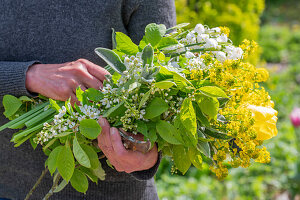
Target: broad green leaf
(142, 127)
(166, 42)
(90, 128)
(167, 131)
(52, 159)
(79, 181)
(154, 33)
(223, 102)
(25, 98)
(80, 154)
(208, 105)
(152, 131)
(213, 91)
(204, 148)
(181, 158)
(185, 136)
(111, 58)
(156, 107)
(188, 119)
(99, 172)
(182, 83)
(92, 154)
(147, 55)
(94, 95)
(200, 116)
(216, 134)
(11, 105)
(144, 99)
(118, 110)
(65, 163)
(195, 157)
(164, 84)
(125, 44)
(89, 174)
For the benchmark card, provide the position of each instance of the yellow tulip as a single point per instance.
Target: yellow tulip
(265, 121)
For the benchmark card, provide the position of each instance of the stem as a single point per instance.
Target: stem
(44, 172)
(54, 186)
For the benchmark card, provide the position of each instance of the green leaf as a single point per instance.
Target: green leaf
(142, 127)
(94, 95)
(216, 134)
(208, 105)
(99, 172)
(223, 102)
(144, 98)
(52, 159)
(92, 154)
(79, 94)
(188, 119)
(154, 33)
(113, 38)
(182, 83)
(147, 55)
(152, 131)
(142, 43)
(195, 157)
(11, 105)
(89, 174)
(166, 42)
(111, 58)
(181, 158)
(178, 26)
(200, 116)
(203, 146)
(79, 181)
(115, 77)
(118, 110)
(167, 131)
(25, 98)
(213, 91)
(164, 84)
(65, 163)
(90, 128)
(80, 154)
(54, 105)
(61, 186)
(125, 44)
(155, 108)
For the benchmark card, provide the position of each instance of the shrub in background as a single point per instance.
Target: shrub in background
(241, 16)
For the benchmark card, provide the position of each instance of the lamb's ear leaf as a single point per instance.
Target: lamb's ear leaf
(112, 59)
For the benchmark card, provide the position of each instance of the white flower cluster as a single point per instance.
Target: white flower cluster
(212, 40)
(63, 122)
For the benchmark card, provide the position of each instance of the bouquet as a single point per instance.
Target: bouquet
(187, 90)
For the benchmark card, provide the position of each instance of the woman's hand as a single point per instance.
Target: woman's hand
(122, 159)
(59, 81)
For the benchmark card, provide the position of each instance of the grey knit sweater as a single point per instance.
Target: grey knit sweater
(58, 31)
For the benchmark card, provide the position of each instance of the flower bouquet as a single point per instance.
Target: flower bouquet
(187, 90)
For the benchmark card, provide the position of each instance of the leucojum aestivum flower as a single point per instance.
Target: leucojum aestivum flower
(188, 90)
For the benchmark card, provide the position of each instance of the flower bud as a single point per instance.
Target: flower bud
(295, 117)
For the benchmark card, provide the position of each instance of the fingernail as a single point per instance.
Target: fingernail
(113, 131)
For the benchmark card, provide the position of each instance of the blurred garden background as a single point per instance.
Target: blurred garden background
(275, 25)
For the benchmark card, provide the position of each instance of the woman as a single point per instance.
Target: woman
(40, 46)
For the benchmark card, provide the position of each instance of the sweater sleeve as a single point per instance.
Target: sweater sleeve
(145, 12)
(12, 78)
(137, 15)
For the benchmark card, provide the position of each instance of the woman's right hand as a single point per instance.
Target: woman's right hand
(59, 81)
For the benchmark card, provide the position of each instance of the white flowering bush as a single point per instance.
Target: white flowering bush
(189, 91)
